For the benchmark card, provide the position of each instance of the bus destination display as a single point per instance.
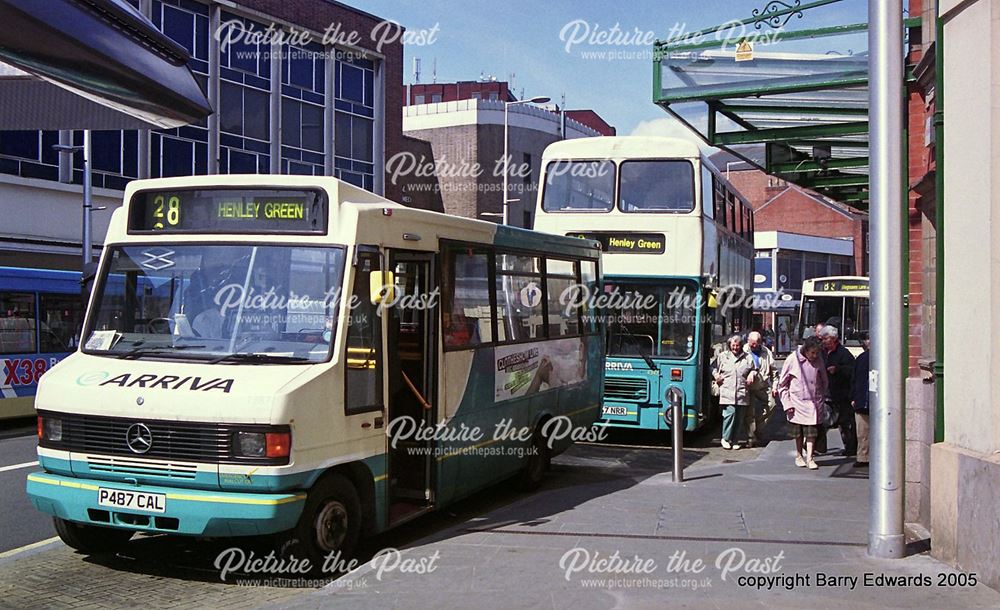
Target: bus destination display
(228, 211)
(842, 285)
(628, 243)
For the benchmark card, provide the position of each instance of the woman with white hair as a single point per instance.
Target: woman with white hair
(802, 387)
(730, 370)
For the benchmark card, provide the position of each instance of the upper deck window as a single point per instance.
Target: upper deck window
(656, 186)
(579, 186)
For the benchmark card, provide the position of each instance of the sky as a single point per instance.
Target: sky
(563, 47)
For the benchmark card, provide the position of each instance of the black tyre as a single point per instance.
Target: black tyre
(539, 460)
(91, 538)
(330, 523)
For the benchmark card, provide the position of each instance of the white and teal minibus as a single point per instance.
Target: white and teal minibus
(678, 254)
(269, 354)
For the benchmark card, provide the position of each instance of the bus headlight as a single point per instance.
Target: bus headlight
(263, 444)
(50, 429)
(251, 444)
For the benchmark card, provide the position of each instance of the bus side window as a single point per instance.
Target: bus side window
(719, 200)
(560, 281)
(707, 192)
(519, 294)
(61, 316)
(363, 385)
(731, 211)
(466, 312)
(588, 278)
(17, 323)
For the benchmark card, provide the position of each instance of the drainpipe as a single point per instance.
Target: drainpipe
(939, 228)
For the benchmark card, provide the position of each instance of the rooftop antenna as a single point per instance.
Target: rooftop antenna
(416, 69)
(434, 73)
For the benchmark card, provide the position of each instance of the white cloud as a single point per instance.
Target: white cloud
(672, 128)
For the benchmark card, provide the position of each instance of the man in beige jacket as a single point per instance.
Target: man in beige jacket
(760, 390)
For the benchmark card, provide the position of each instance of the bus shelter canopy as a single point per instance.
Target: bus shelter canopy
(789, 99)
(91, 64)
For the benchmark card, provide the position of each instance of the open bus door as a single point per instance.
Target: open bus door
(412, 369)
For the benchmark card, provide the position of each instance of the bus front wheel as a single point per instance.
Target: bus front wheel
(330, 523)
(91, 538)
(538, 463)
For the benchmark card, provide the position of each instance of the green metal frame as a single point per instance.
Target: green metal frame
(781, 159)
(784, 134)
(804, 166)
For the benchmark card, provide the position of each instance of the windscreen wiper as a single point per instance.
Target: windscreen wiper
(260, 358)
(638, 346)
(136, 352)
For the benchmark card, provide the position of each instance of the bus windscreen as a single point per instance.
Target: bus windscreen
(294, 211)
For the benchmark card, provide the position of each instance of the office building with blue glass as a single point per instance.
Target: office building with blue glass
(285, 103)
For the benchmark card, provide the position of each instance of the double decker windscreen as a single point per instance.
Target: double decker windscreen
(227, 210)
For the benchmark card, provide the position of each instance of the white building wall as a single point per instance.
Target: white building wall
(965, 468)
(50, 212)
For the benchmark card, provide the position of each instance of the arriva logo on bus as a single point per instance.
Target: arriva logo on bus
(166, 382)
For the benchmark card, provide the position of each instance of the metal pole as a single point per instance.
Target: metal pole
(88, 204)
(885, 83)
(506, 160)
(676, 399)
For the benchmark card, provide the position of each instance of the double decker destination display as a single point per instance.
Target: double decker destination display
(627, 243)
(228, 211)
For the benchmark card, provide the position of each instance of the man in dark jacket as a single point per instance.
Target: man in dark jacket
(840, 371)
(859, 400)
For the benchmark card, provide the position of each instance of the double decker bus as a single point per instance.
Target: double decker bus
(842, 301)
(678, 252)
(269, 354)
(41, 312)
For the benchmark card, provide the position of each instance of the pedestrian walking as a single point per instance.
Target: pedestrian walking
(839, 365)
(802, 388)
(730, 370)
(859, 400)
(759, 387)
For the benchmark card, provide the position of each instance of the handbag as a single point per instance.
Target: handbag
(830, 415)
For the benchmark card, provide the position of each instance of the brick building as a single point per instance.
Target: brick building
(593, 120)
(434, 93)
(781, 206)
(280, 108)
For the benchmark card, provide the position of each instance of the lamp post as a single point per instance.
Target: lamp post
(506, 156)
(88, 247)
(886, 539)
(88, 208)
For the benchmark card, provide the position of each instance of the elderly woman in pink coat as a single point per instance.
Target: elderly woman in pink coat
(802, 389)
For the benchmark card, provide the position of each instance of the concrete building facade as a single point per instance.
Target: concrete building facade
(466, 139)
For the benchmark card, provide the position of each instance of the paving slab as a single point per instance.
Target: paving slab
(757, 533)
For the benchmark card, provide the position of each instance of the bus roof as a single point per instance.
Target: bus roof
(414, 225)
(622, 147)
(342, 191)
(44, 280)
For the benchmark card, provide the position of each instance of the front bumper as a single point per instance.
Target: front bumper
(188, 511)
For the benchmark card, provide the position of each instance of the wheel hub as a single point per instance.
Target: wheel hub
(331, 526)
